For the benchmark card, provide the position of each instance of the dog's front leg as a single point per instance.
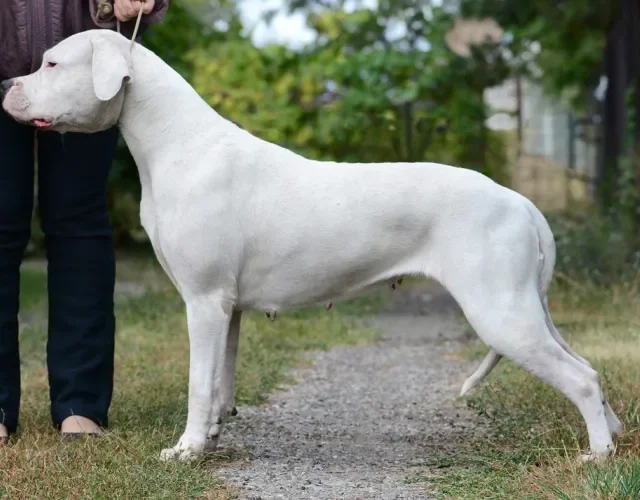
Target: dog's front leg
(223, 406)
(208, 319)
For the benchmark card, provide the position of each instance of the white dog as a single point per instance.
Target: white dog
(241, 224)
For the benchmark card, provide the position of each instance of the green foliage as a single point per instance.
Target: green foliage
(264, 90)
(603, 246)
(603, 249)
(620, 481)
(358, 92)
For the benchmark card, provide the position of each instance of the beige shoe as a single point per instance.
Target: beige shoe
(4, 435)
(76, 426)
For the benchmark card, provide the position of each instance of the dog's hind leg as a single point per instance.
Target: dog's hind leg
(556, 334)
(223, 405)
(612, 420)
(514, 325)
(493, 358)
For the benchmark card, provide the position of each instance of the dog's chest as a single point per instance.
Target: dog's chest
(148, 216)
(148, 220)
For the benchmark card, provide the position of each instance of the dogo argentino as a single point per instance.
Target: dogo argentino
(241, 224)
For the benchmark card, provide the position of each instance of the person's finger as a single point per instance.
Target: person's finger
(117, 10)
(137, 5)
(127, 9)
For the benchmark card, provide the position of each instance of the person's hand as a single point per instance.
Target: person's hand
(125, 10)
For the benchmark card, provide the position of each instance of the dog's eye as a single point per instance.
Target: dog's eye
(51, 64)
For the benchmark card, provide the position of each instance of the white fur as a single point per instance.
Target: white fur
(241, 224)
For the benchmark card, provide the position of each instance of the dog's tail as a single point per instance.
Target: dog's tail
(546, 263)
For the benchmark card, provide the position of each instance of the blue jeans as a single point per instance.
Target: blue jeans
(72, 186)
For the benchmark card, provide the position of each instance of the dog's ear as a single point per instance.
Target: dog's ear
(109, 68)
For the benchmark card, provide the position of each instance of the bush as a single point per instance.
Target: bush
(603, 246)
(601, 249)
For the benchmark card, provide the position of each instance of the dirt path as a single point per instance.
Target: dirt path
(361, 419)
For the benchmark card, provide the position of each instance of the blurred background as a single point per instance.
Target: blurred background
(538, 95)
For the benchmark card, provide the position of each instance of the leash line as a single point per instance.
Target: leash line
(137, 26)
(105, 8)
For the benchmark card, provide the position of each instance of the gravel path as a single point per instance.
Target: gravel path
(361, 419)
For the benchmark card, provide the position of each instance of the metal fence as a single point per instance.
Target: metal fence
(557, 153)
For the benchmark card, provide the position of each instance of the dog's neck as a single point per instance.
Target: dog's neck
(161, 109)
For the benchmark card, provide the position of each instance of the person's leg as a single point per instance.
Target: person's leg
(73, 173)
(16, 205)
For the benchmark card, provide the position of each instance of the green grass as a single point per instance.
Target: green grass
(149, 407)
(536, 434)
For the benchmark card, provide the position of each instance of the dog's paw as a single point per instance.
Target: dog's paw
(185, 450)
(595, 457)
(169, 454)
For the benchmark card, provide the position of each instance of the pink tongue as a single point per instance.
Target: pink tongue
(41, 123)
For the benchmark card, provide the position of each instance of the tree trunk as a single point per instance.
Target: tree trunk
(615, 113)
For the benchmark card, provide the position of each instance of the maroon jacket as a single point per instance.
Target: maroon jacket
(29, 27)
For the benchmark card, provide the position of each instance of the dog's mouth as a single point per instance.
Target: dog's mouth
(42, 123)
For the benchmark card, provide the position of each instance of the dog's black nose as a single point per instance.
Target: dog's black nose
(6, 84)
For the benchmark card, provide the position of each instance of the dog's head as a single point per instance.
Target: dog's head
(78, 88)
